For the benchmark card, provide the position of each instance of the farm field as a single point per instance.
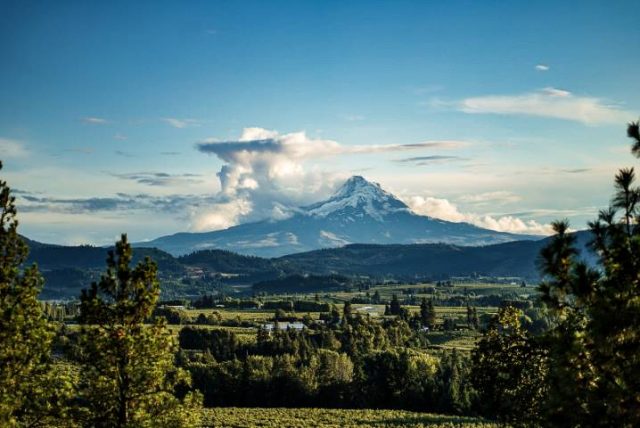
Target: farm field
(236, 417)
(245, 322)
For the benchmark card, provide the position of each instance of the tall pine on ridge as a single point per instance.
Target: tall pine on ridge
(128, 374)
(31, 393)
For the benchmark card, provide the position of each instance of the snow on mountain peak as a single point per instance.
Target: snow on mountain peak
(358, 183)
(358, 197)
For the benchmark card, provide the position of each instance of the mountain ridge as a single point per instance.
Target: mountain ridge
(69, 269)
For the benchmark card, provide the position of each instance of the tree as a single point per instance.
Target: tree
(594, 341)
(427, 313)
(394, 307)
(472, 317)
(376, 298)
(128, 373)
(347, 313)
(335, 316)
(453, 389)
(30, 394)
(280, 315)
(509, 370)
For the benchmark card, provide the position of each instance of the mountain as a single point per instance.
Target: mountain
(359, 212)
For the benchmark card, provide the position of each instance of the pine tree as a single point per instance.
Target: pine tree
(427, 313)
(394, 307)
(347, 313)
(595, 341)
(472, 317)
(376, 298)
(335, 316)
(509, 371)
(30, 392)
(128, 373)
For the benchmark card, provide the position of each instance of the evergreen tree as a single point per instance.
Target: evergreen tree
(394, 307)
(427, 313)
(347, 313)
(128, 373)
(335, 316)
(30, 392)
(472, 317)
(509, 371)
(595, 338)
(475, 321)
(423, 312)
(376, 298)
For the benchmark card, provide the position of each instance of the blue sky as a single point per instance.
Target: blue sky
(506, 115)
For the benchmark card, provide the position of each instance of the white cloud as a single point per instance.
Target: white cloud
(95, 120)
(445, 210)
(268, 172)
(555, 92)
(12, 149)
(222, 215)
(497, 197)
(181, 123)
(542, 67)
(549, 102)
(119, 137)
(435, 207)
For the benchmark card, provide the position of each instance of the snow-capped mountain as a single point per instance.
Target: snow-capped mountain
(358, 197)
(359, 212)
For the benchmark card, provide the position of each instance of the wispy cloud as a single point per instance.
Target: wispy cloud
(555, 92)
(430, 160)
(12, 148)
(549, 102)
(553, 171)
(496, 197)
(542, 67)
(576, 170)
(119, 137)
(354, 118)
(95, 120)
(181, 123)
(120, 202)
(298, 145)
(160, 178)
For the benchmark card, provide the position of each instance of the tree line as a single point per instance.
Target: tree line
(358, 362)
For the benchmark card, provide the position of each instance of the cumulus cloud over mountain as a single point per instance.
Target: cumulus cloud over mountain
(265, 173)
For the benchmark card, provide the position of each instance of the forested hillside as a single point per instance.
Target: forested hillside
(69, 268)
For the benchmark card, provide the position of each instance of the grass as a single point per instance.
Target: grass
(460, 340)
(236, 417)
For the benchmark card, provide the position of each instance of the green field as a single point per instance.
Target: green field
(236, 417)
